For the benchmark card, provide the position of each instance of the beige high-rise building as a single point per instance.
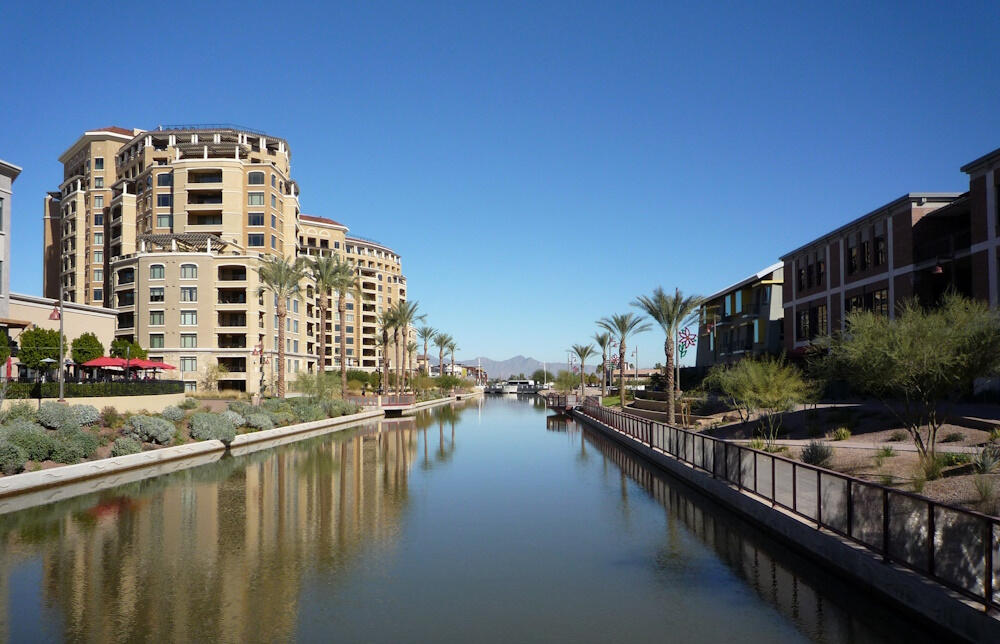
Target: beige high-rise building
(186, 219)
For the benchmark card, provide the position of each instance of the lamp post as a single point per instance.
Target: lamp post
(57, 314)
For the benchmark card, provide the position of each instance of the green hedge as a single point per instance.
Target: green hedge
(94, 389)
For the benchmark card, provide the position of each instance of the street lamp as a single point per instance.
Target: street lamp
(57, 314)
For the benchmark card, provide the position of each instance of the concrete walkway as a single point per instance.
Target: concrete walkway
(901, 446)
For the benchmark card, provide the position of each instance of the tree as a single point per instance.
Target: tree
(385, 322)
(453, 347)
(540, 375)
(411, 349)
(37, 344)
(918, 360)
(342, 280)
(216, 371)
(323, 271)
(565, 381)
(603, 340)
(670, 312)
(86, 348)
(282, 277)
(406, 316)
(623, 325)
(442, 341)
(125, 348)
(583, 351)
(426, 334)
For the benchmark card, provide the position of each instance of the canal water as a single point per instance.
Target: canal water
(494, 521)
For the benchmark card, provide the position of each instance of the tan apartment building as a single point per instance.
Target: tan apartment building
(8, 174)
(190, 215)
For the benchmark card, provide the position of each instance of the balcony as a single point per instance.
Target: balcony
(210, 198)
(234, 365)
(205, 219)
(211, 177)
(231, 340)
(232, 296)
(232, 319)
(232, 274)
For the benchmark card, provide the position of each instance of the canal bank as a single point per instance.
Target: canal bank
(922, 597)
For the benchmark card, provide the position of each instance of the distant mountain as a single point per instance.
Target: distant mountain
(519, 364)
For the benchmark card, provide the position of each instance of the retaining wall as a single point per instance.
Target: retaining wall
(152, 403)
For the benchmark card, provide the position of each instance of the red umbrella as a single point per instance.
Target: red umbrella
(149, 364)
(104, 361)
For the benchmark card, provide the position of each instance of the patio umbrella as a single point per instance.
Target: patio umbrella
(105, 362)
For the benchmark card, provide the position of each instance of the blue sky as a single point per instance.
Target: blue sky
(537, 165)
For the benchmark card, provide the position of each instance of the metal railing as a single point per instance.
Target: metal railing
(951, 545)
(383, 400)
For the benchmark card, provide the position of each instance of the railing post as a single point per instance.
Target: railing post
(795, 491)
(885, 524)
(774, 484)
(725, 461)
(988, 573)
(754, 454)
(850, 509)
(649, 430)
(930, 539)
(819, 498)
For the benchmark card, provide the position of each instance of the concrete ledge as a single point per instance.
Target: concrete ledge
(915, 594)
(243, 440)
(154, 403)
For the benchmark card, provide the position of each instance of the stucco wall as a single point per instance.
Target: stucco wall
(154, 404)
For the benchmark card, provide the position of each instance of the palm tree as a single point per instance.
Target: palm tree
(322, 271)
(411, 348)
(622, 325)
(603, 340)
(441, 341)
(452, 348)
(406, 315)
(670, 312)
(282, 277)
(343, 279)
(583, 351)
(386, 321)
(426, 334)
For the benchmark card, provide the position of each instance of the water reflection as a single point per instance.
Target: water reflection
(822, 606)
(218, 552)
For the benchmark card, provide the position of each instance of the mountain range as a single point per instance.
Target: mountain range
(520, 364)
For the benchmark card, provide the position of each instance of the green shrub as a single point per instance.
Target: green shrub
(886, 452)
(74, 445)
(840, 434)
(951, 459)
(930, 468)
(986, 460)
(259, 421)
(173, 413)
(281, 418)
(897, 436)
(241, 407)
(237, 420)
(85, 414)
(151, 429)
(985, 487)
(91, 389)
(308, 413)
(995, 435)
(20, 409)
(189, 403)
(12, 458)
(816, 453)
(757, 443)
(36, 441)
(57, 416)
(337, 408)
(111, 418)
(208, 426)
(124, 446)
(953, 437)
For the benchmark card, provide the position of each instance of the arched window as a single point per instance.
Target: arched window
(189, 271)
(256, 178)
(156, 272)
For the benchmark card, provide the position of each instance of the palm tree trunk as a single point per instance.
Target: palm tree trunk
(604, 373)
(395, 337)
(341, 310)
(583, 384)
(384, 385)
(441, 362)
(621, 374)
(322, 339)
(427, 363)
(282, 313)
(668, 349)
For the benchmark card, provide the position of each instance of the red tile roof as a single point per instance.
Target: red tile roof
(321, 220)
(116, 130)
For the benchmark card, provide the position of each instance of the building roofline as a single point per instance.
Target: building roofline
(759, 275)
(97, 135)
(369, 242)
(48, 301)
(975, 164)
(322, 221)
(946, 197)
(9, 169)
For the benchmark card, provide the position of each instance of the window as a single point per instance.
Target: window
(126, 276)
(274, 241)
(866, 254)
(189, 340)
(819, 321)
(98, 256)
(255, 178)
(274, 221)
(99, 219)
(156, 318)
(98, 163)
(164, 221)
(189, 364)
(739, 303)
(164, 201)
(155, 340)
(189, 271)
(255, 240)
(295, 346)
(98, 294)
(820, 272)
(156, 294)
(880, 302)
(852, 260)
(295, 326)
(98, 274)
(756, 330)
(99, 239)
(274, 179)
(274, 201)
(156, 272)
(190, 386)
(810, 273)
(255, 198)
(295, 306)
(729, 305)
(880, 254)
(189, 294)
(98, 182)
(164, 179)
(802, 326)
(189, 318)
(99, 201)
(255, 219)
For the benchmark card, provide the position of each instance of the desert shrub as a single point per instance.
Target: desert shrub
(12, 458)
(36, 441)
(74, 445)
(995, 435)
(757, 443)
(840, 434)
(953, 437)
(986, 460)
(259, 421)
(173, 413)
(337, 408)
(150, 429)
(20, 409)
(985, 487)
(276, 404)
(951, 459)
(354, 386)
(919, 481)
(309, 413)
(111, 418)
(886, 452)
(242, 407)
(281, 418)
(124, 446)
(886, 479)
(237, 420)
(930, 468)
(208, 426)
(85, 414)
(816, 453)
(57, 416)
(189, 403)
(897, 436)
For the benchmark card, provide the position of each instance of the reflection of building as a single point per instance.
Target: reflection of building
(218, 552)
(742, 319)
